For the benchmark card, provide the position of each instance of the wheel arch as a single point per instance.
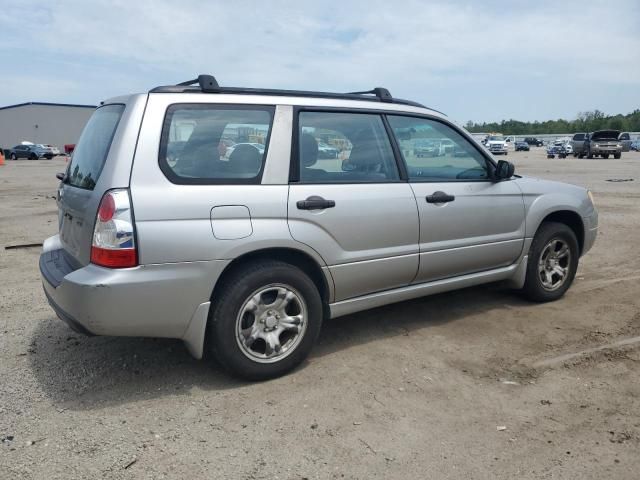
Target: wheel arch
(292, 256)
(571, 219)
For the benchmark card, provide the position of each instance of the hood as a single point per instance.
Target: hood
(497, 142)
(605, 135)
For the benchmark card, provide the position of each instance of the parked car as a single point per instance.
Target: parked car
(426, 148)
(245, 258)
(230, 149)
(497, 145)
(534, 141)
(559, 148)
(327, 151)
(625, 140)
(602, 143)
(577, 143)
(52, 148)
(521, 146)
(447, 146)
(30, 151)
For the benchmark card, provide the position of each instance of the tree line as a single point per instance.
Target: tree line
(585, 122)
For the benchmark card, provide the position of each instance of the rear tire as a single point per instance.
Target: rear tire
(265, 320)
(617, 156)
(33, 156)
(13, 156)
(552, 263)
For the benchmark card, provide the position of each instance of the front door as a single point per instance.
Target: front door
(468, 223)
(348, 203)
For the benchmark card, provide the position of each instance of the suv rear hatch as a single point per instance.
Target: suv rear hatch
(81, 190)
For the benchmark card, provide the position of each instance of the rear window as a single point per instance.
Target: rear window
(204, 144)
(92, 148)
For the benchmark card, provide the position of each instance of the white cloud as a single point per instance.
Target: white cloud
(455, 56)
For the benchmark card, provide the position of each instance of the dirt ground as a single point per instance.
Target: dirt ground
(470, 384)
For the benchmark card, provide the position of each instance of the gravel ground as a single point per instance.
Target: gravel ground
(462, 385)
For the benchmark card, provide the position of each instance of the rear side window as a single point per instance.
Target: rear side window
(204, 144)
(344, 148)
(92, 148)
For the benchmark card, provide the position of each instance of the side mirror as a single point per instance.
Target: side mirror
(504, 170)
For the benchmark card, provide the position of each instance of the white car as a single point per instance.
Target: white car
(497, 144)
(230, 150)
(52, 148)
(564, 143)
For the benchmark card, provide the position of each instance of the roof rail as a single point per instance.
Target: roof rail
(382, 93)
(208, 84)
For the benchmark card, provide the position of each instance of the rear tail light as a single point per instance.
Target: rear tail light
(113, 243)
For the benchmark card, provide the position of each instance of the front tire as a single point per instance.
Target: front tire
(617, 156)
(265, 320)
(552, 264)
(13, 156)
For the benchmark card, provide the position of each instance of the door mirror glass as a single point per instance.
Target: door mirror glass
(504, 170)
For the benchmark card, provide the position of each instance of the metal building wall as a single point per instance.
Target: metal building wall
(51, 124)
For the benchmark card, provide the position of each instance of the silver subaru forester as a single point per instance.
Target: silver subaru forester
(238, 219)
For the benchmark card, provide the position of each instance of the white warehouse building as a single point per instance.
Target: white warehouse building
(55, 124)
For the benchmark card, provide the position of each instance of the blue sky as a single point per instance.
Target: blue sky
(480, 61)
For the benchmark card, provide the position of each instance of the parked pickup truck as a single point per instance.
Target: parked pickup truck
(601, 143)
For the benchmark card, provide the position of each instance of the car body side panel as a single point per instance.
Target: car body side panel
(174, 223)
(482, 229)
(369, 239)
(544, 197)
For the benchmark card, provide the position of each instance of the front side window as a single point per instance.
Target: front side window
(92, 149)
(344, 148)
(214, 143)
(435, 152)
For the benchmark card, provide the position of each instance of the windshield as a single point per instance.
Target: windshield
(496, 139)
(92, 148)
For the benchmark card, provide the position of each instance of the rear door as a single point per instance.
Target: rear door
(468, 223)
(79, 194)
(353, 209)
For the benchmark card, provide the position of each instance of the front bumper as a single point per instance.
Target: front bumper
(590, 231)
(609, 151)
(157, 300)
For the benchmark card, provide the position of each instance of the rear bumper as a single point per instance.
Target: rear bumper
(157, 300)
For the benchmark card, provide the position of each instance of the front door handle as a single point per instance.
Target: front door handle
(440, 197)
(315, 203)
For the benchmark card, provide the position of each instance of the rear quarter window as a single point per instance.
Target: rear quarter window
(210, 144)
(93, 147)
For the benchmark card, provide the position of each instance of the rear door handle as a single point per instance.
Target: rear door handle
(315, 203)
(440, 197)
